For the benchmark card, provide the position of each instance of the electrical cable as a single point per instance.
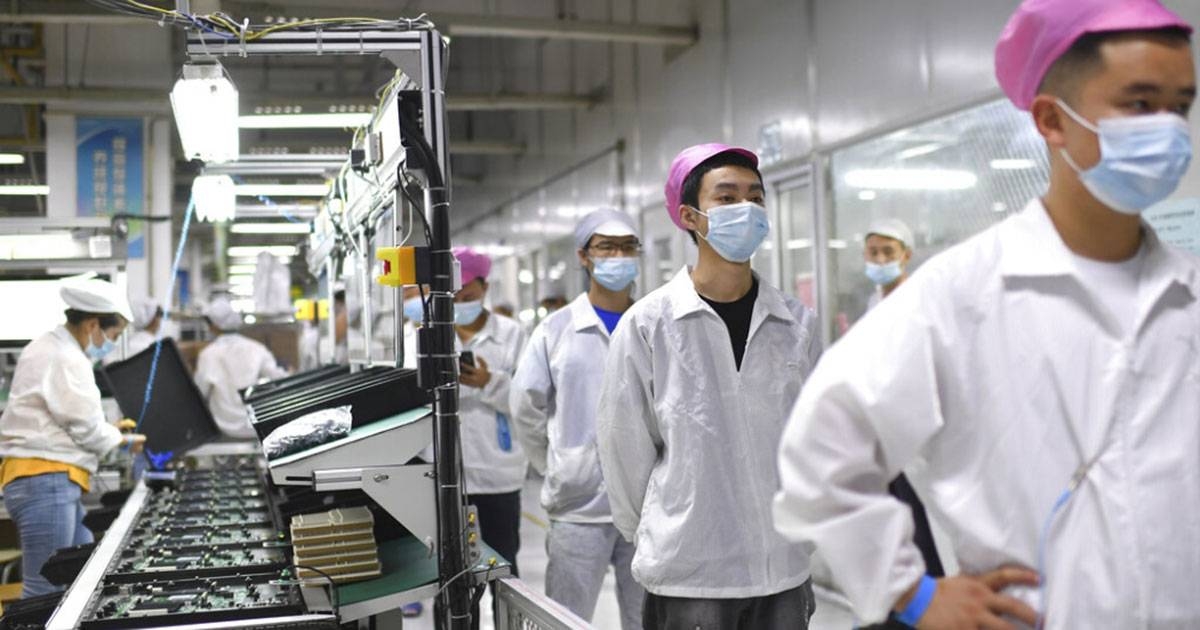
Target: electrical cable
(187, 222)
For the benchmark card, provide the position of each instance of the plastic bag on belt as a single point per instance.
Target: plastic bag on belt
(307, 431)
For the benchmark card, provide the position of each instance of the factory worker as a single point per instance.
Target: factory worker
(147, 319)
(53, 431)
(554, 396)
(887, 254)
(698, 382)
(492, 457)
(229, 364)
(1045, 406)
(887, 251)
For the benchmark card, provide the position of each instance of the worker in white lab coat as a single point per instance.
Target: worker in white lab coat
(147, 318)
(1042, 381)
(699, 379)
(53, 431)
(228, 364)
(554, 397)
(493, 462)
(887, 255)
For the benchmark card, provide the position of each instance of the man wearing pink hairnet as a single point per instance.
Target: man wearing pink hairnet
(1045, 400)
(492, 457)
(698, 382)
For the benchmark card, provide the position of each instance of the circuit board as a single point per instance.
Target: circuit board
(203, 600)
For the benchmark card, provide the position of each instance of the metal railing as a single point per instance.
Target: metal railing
(519, 607)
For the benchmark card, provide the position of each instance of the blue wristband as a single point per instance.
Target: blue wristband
(916, 608)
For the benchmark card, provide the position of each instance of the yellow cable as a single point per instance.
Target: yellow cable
(153, 8)
(291, 25)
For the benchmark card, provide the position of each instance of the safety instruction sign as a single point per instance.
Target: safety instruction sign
(109, 172)
(1177, 221)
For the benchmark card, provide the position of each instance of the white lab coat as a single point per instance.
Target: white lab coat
(229, 364)
(554, 398)
(991, 376)
(686, 441)
(489, 469)
(53, 409)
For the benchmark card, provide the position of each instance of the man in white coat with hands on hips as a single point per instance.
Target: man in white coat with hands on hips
(554, 396)
(699, 379)
(1046, 400)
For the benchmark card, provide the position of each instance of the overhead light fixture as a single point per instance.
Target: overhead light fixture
(205, 103)
(270, 228)
(1012, 164)
(12, 158)
(911, 179)
(25, 189)
(924, 149)
(799, 243)
(867, 195)
(255, 250)
(282, 190)
(305, 121)
(214, 197)
(242, 269)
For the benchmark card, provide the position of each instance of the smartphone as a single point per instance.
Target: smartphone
(467, 357)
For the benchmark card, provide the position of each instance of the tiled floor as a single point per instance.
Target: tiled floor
(532, 560)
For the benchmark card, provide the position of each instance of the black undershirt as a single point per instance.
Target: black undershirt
(736, 316)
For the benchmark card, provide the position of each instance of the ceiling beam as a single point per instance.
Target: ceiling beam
(157, 99)
(454, 25)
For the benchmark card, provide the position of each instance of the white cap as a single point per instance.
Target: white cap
(606, 222)
(144, 310)
(893, 229)
(95, 296)
(220, 312)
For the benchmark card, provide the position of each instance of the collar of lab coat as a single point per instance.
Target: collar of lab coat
(686, 300)
(65, 335)
(1033, 248)
(583, 315)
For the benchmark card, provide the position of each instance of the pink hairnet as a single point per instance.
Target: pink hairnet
(1042, 30)
(474, 264)
(687, 160)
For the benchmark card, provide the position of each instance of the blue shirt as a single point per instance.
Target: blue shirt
(609, 318)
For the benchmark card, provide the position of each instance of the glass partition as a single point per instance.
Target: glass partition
(947, 178)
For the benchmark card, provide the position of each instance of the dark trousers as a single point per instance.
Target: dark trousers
(789, 610)
(500, 528)
(922, 536)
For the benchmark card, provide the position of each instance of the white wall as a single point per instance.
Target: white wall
(827, 71)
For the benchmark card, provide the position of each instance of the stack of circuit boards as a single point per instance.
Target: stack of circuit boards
(206, 548)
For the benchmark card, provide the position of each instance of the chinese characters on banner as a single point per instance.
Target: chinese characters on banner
(110, 172)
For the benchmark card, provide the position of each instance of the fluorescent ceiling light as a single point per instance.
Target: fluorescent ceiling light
(25, 189)
(253, 260)
(867, 195)
(241, 279)
(205, 103)
(924, 149)
(270, 228)
(282, 190)
(1012, 164)
(911, 179)
(254, 250)
(12, 158)
(837, 243)
(305, 121)
(241, 269)
(214, 197)
(799, 243)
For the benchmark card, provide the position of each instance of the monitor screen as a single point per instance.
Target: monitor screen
(177, 419)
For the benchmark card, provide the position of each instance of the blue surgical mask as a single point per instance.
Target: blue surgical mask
(736, 230)
(615, 274)
(414, 309)
(98, 353)
(466, 313)
(1142, 159)
(883, 275)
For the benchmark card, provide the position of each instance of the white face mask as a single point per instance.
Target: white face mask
(465, 313)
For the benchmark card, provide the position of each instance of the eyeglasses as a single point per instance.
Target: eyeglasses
(615, 249)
